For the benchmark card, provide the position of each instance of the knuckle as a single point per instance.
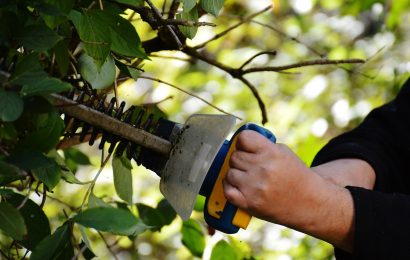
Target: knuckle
(244, 138)
(235, 158)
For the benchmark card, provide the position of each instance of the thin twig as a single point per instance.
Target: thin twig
(80, 252)
(235, 73)
(219, 35)
(169, 57)
(188, 23)
(4, 152)
(273, 53)
(302, 64)
(189, 93)
(43, 199)
(72, 208)
(115, 93)
(367, 62)
(173, 9)
(107, 245)
(158, 102)
(163, 7)
(91, 187)
(281, 33)
(255, 93)
(28, 186)
(101, 4)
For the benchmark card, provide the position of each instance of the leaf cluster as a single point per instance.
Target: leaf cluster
(53, 46)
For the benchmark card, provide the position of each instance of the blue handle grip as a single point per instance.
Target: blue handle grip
(224, 222)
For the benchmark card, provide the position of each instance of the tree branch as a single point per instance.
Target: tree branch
(302, 64)
(256, 55)
(219, 35)
(235, 73)
(189, 93)
(281, 33)
(167, 26)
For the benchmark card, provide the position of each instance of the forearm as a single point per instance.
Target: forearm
(325, 211)
(347, 172)
(329, 206)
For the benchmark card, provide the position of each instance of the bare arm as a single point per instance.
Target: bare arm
(348, 172)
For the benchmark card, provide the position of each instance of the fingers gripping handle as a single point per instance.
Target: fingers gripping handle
(219, 213)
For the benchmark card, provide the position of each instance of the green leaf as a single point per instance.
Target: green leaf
(45, 86)
(192, 15)
(131, 2)
(193, 237)
(28, 70)
(28, 160)
(187, 4)
(11, 106)
(124, 38)
(223, 251)
(36, 221)
(74, 157)
(122, 177)
(199, 203)
(85, 242)
(46, 134)
(95, 202)
(157, 217)
(49, 173)
(54, 246)
(66, 173)
(150, 216)
(116, 221)
(93, 32)
(43, 168)
(63, 7)
(8, 131)
(98, 77)
(9, 173)
(62, 56)
(69, 177)
(167, 211)
(128, 70)
(38, 37)
(11, 221)
(6, 192)
(212, 6)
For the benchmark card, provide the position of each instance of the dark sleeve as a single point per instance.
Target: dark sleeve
(382, 216)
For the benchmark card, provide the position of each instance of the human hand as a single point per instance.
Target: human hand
(270, 182)
(267, 180)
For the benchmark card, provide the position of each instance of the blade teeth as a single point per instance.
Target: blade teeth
(119, 145)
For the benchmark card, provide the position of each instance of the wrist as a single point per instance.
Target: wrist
(325, 211)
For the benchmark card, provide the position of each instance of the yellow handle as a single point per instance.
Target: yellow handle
(217, 200)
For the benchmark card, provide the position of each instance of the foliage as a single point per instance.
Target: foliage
(49, 207)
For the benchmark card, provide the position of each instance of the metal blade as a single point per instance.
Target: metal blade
(190, 159)
(111, 125)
